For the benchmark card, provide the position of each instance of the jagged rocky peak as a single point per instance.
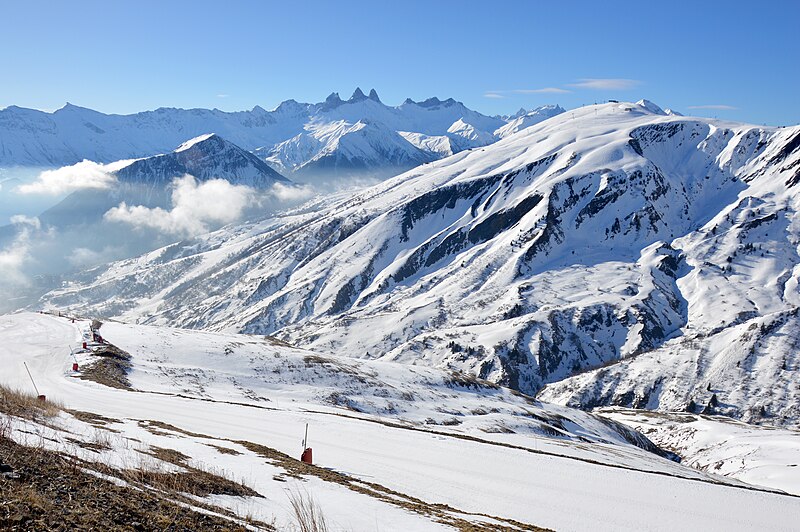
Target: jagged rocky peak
(431, 103)
(358, 95)
(436, 102)
(543, 111)
(522, 112)
(332, 101)
(550, 108)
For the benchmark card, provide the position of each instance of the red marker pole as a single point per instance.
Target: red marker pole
(38, 395)
(74, 360)
(306, 456)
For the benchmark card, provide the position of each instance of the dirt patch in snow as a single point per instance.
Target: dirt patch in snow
(110, 369)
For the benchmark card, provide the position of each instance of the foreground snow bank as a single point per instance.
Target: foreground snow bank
(186, 398)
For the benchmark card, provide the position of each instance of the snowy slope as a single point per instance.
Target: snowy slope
(616, 231)
(521, 121)
(359, 135)
(249, 394)
(765, 456)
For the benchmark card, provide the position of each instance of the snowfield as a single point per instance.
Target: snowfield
(761, 455)
(400, 433)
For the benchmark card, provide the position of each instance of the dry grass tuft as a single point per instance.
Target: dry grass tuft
(5, 426)
(224, 450)
(193, 479)
(168, 455)
(307, 512)
(27, 406)
(57, 493)
(94, 419)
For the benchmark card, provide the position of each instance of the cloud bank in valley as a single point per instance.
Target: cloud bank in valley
(291, 193)
(195, 207)
(83, 175)
(17, 255)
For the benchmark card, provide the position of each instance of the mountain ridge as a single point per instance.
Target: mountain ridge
(598, 236)
(72, 133)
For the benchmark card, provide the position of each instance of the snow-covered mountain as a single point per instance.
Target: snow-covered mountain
(524, 119)
(147, 181)
(205, 157)
(761, 455)
(653, 255)
(358, 136)
(342, 147)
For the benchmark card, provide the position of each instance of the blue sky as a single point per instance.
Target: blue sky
(736, 60)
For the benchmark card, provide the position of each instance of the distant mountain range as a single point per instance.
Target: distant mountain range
(360, 135)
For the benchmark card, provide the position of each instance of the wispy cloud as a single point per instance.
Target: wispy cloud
(222, 95)
(17, 255)
(544, 90)
(20, 220)
(715, 107)
(605, 83)
(81, 257)
(292, 193)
